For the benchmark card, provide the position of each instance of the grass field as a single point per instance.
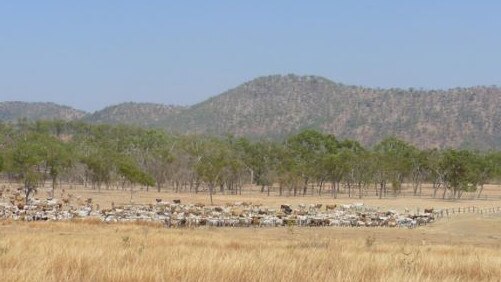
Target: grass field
(460, 248)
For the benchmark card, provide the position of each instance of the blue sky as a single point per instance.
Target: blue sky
(89, 54)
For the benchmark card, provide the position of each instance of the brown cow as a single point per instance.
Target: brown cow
(330, 207)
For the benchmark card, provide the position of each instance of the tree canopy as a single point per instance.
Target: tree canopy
(308, 162)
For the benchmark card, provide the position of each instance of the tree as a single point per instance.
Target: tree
(59, 158)
(28, 158)
(394, 163)
(259, 159)
(458, 172)
(212, 164)
(485, 167)
(308, 148)
(153, 153)
(133, 173)
(100, 165)
(419, 169)
(337, 166)
(1, 162)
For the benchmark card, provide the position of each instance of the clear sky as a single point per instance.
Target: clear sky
(93, 53)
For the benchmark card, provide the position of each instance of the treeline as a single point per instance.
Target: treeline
(105, 156)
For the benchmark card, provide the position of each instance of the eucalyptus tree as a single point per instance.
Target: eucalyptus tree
(27, 159)
(1, 161)
(485, 167)
(155, 155)
(132, 172)
(339, 166)
(308, 148)
(100, 165)
(393, 163)
(420, 169)
(259, 159)
(60, 157)
(288, 172)
(458, 172)
(212, 164)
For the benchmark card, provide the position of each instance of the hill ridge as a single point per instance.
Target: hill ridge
(275, 106)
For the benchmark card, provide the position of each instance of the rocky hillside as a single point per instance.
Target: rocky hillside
(143, 114)
(12, 111)
(277, 105)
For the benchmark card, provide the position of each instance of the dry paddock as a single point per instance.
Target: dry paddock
(463, 248)
(105, 197)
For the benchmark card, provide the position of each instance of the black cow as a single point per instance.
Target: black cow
(286, 209)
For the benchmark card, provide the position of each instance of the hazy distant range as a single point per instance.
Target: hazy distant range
(276, 106)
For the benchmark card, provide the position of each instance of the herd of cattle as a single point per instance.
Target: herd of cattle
(240, 214)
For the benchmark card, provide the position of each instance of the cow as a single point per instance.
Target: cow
(330, 207)
(199, 205)
(286, 209)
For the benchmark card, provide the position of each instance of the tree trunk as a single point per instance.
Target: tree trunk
(480, 191)
(54, 182)
(211, 187)
(435, 189)
(27, 192)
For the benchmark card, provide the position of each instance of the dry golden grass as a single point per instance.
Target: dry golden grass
(90, 251)
(462, 248)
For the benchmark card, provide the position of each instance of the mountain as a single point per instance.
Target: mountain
(12, 111)
(142, 114)
(275, 106)
(278, 105)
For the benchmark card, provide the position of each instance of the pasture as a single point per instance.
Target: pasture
(460, 249)
(464, 247)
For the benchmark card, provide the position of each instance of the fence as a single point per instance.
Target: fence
(465, 210)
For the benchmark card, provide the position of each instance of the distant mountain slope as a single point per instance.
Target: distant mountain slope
(144, 114)
(281, 105)
(276, 106)
(12, 111)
